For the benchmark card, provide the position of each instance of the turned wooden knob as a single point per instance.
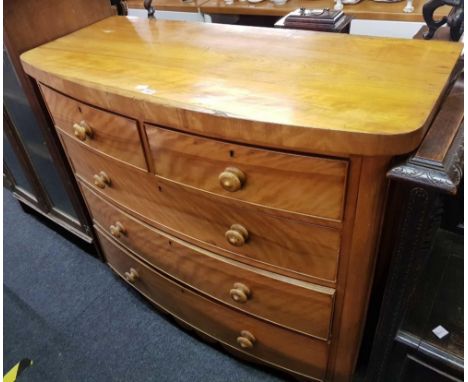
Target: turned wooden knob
(102, 180)
(240, 292)
(131, 276)
(231, 179)
(246, 340)
(237, 235)
(117, 229)
(82, 130)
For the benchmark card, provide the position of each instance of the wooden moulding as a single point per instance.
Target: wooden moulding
(438, 163)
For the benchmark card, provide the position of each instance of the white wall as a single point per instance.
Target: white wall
(400, 29)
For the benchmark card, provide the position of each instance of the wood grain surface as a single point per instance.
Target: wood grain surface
(278, 347)
(446, 124)
(368, 187)
(309, 185)
(282, 243)
(111, 134)
(300, 92)
(278, 299)
(42, 27)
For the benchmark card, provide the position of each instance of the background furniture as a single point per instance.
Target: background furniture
(425, 282)
(344, 25)
(374, 22)
(266, 13)
(34, 163)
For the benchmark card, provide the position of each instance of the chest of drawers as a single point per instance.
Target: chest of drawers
(247, 205)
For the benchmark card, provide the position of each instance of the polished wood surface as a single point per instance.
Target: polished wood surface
(230, 114)
(202, 72)
(308, 185)
(445, 127)
(276, 346)
(37, 25)
(357, 266)
(282, 244)
(278, 299)
(366, 9)
(109, 133)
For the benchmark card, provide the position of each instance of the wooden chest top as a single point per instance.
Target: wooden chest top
(344, 94)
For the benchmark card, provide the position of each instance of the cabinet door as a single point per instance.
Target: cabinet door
(28, 162)
(14, 171)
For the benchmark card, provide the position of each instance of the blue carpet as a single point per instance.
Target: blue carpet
(77, 321)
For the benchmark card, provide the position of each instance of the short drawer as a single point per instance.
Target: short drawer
(106, 132)
(236, 229)
(296, 305)
(303, 184)
(255, 338)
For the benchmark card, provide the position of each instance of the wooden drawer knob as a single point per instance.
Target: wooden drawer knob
(240, 292)
(246, 340)
(102, 180)
(117, 229)
(237, 235)
(131, 276)
(82, 130)
(231, 179)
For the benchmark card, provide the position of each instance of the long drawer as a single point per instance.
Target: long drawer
(272, 241)
(296, 305)
(298, 183)
(106, 132)
(256, 338)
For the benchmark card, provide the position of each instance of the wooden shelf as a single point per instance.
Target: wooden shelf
(366, 9)
(168, 5)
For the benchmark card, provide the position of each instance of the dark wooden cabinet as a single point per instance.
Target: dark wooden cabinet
(35, 168)
(423, 247)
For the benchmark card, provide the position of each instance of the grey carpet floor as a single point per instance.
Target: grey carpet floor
(68, 312)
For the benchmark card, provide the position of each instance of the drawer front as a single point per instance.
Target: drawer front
(270, 343)
(302, 184)
(274, 241)
(106, 132)
(297, 305)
